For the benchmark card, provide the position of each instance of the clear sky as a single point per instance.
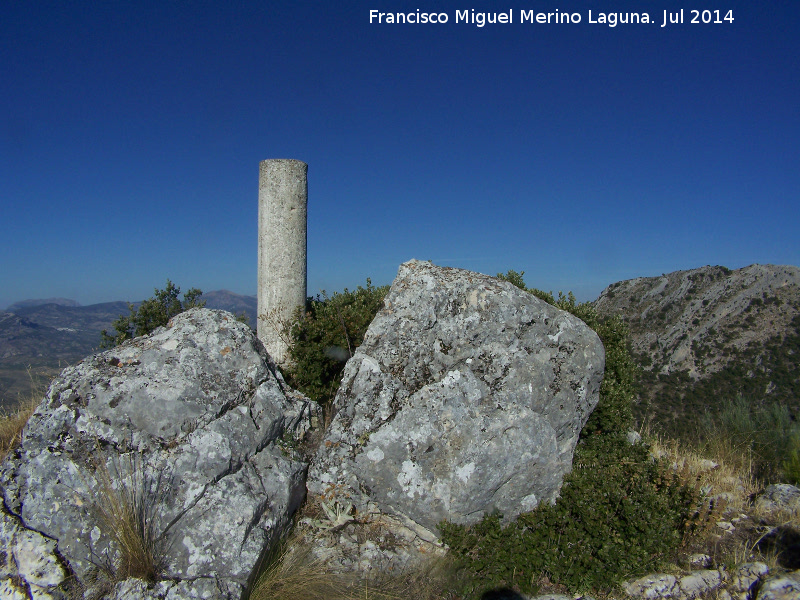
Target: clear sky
(583, 154)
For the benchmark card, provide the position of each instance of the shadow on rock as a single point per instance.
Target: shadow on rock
(502, 594)
(784, 542)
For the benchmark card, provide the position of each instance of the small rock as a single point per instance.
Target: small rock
(633, 437)
(741, 517)
(700, 561)
(653, 586)
(700, 583)
(780, 496)
(781, 587)
(726, 526)
(747, 575)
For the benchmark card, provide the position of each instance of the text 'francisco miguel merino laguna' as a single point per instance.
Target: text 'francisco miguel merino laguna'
(611, 19)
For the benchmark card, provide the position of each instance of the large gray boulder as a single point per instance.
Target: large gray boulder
(467, 395)
(192, 419)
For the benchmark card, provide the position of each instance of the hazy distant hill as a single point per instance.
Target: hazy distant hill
(235, 303)
(706, 335)
(44, 337)
(26, 344)
(84, 319)
(28, 303)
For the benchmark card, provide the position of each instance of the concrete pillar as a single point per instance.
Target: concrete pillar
(282, 242)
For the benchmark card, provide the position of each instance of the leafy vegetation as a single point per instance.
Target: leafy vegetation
(152, 313)
(619, 515)
(757, 372)
(327, 335)
(620, 512)
(765, 439)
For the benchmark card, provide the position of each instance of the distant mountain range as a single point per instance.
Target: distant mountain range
(28, 303)
(38, 338)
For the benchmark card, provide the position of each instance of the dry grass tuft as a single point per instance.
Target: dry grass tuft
(127, 508)
(718, 476)
(12, 422)
(730, 483)
(11, 425)
(295, 573)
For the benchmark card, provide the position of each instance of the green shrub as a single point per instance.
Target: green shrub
(620, 512)
(791, 464)
(152, 313)
(327, 335)
(764, 438)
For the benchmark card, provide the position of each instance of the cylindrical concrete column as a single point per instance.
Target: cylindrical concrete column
(282, 244)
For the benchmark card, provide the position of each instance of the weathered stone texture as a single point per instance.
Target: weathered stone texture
(190, 416)
(467, 395)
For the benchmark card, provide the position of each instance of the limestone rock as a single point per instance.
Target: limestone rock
(28, 562)
(700, 561)
(747, 576)
(779, 496)
(781, 587)
(467, 395)
(659, 585)
(700, 583)
(633, 437)
(188, 419)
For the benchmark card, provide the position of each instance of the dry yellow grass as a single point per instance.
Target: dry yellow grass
(127, 505)
(745, 532)
(12, 422)
(716, 475)
(295, 573)
(11, 426)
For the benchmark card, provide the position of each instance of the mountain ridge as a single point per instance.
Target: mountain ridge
(710, 333)
(39, 301)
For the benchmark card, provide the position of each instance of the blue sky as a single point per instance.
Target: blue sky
(583, 154)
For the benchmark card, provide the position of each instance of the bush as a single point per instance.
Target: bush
(619, 515)
(763, 439)
(620, 512)
(327, 335)
(152, 313)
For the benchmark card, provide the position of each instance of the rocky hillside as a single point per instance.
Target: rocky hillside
(705, 335)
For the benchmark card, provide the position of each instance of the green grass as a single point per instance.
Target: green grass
(763, 439)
